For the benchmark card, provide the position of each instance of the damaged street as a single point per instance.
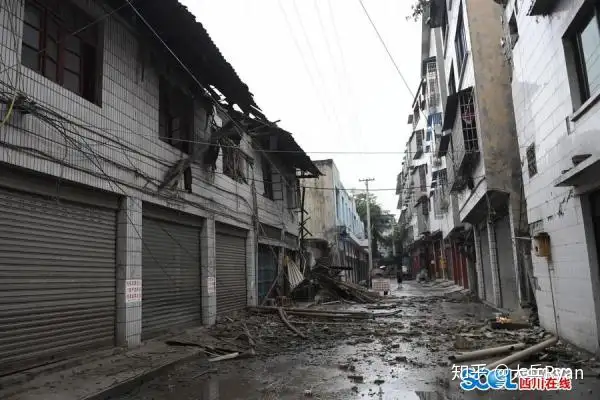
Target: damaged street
(402, 352)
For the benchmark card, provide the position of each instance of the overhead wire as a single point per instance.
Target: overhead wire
(316, 63)
(304, 63)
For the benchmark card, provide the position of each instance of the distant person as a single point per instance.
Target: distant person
(399, 274)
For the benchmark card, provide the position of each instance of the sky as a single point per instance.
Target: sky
(319, 68)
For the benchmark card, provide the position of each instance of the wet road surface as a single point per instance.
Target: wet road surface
(402, 357)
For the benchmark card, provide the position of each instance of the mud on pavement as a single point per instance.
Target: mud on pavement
(399, 357)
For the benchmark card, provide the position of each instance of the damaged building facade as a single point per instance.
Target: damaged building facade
(480, 209)
(336, 235)
(135, 198)
(551, 49)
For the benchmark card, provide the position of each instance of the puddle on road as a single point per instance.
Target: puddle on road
(218, 389)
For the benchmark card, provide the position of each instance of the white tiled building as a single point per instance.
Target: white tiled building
(112, 229)
(480, 144)
(553, 48)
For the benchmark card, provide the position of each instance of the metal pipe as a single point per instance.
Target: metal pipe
(523, 354)
(483, 353)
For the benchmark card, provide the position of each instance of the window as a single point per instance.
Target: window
(234, 162)
(292, 193)
(175, 120)
(267, 173)
(72, 61)
(451, 82)
(531, 160)
(585, 43)
(460, 44)
(513, 30)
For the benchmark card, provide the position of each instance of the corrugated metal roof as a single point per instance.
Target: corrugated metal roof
(190, 41)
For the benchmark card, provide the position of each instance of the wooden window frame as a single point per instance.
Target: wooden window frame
(76, 56)
(176, 117)
(267, 172)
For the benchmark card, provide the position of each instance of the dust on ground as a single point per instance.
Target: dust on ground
(399, 357)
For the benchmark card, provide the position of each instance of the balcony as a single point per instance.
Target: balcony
(461, 119)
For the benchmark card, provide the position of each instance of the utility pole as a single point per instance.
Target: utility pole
(366, 181)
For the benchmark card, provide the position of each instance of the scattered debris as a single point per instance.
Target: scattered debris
(520, 355)
(288, 324)
(326, 279)
(224, 357)
(484, 353)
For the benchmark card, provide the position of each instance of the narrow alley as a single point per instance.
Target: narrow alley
(399, 357)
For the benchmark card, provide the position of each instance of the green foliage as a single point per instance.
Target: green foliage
(381, 220)
(417, 9)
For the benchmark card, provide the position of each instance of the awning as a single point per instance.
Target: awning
(583, 173)
(542, 7)
(452, 108)
(444, 143)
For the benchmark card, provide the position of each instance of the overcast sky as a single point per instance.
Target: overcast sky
(317, 66)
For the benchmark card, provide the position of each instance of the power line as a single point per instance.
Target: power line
(314, 58)
(306, 67)
(388, 52)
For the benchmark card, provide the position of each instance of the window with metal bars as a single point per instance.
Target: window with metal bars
(51, 48)
(433, 93)
(468, 121)
(531, 160)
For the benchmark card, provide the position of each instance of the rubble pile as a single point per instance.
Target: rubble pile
(326, 280)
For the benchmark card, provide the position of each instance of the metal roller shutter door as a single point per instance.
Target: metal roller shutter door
(57, 279)
(171, 295)
(231, 273)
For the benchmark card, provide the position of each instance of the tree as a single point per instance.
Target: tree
(416, 10)
(380, 220)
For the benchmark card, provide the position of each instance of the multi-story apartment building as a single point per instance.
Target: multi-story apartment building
(334, 226)
(479, 142)
(472, 177)
(118, 219)
(551, 49)
(428, 211)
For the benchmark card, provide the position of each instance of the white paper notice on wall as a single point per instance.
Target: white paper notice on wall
(133, 290)
(212, 284)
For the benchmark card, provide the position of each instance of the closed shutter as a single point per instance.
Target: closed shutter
(231, 273)
(57, 279)
(171, 295)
